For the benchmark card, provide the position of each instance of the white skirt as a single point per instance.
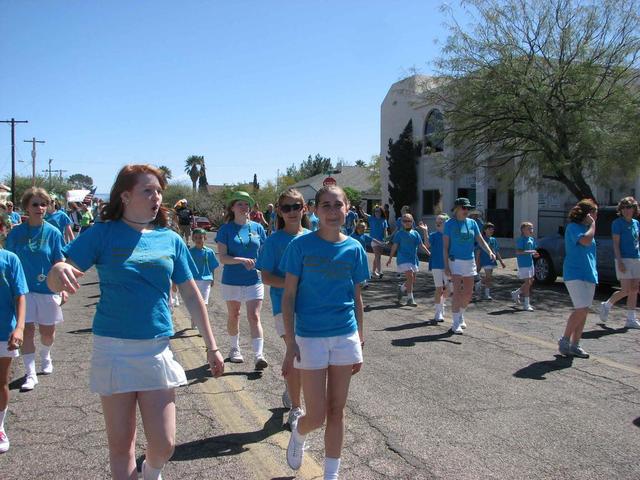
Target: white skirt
(121, 365)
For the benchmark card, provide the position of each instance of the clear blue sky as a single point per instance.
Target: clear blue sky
(254, 86)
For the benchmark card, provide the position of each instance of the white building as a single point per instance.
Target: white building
(505, 205)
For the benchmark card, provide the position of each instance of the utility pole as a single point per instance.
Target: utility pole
(49, 170)
(33, 142)
(13, 122)
(60, 172)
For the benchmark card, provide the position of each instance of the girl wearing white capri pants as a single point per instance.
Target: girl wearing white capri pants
(38, 244)
(137, 258)
(579, 273)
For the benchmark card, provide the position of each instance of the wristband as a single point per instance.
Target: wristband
(214, 350)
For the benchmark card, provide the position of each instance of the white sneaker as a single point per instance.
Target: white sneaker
(29, 383)
(235, 356)
(411, 302)
(456, 328)
(295, 451)
(261, 363)
(144, 464)
(605, 308)
(515, 296)
(462, 324)
(528, 308)
(4, 442)
(47, 365)
(632, 323)
(294, 416)
(286, 399)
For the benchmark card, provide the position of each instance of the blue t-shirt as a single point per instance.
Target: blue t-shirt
(629, 236)
(269, 259)
(241, 241)
(525, 260)
(408, 243)
(315, 222)
(364, 239)
(350, 221)
(436, 261)
(135, 270)
(14, 217)
(377, 226)
(59, 219)
(205, 262)
(462, 234)
(12, 284)
(327, 275)
(38, 249)
(579, 260)
(485, 260)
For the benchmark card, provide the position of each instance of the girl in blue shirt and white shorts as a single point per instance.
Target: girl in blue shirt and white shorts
(137, 258)
(324, 270)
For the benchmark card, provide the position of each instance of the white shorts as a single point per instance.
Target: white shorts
(488, 268)
(581, 293)
(464, 268)
(241, 293)
(407, 267)
(43, 308)
(317, 353)
(526, 272)
(205, 289)
(632, 269)
(5, 352)
(439, 278)
(122, 365)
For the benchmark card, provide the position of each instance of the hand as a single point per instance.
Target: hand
(64, 296)
(589, 219)
(216, 362)
(502, 263)
(293, 352)
(447, 272)
(249, 263)
(422, 226)
(64, 277)
(356, 368)
(15, 339)
(621, 266)
(389, 262)
(492, 257)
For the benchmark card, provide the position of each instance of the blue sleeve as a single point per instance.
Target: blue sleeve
(85, 250)
(395, 238)
(447, 229)
(368, 239)
(213, 260)
(521, 243)
(616, 228)
(360, 271)
(574, 234)
(65, 220)
(262, 233)
(223, 235)
(476, 229)
(266, 258)
(18, 280)
(292, 260)
(182, 264)
(496, 245)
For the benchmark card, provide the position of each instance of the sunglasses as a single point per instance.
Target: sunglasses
(465, 208)
(289, 208)
(36, 204)
(628, 207)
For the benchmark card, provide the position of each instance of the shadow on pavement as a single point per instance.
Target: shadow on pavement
(406, 326)
(369, 308)
(505, 311)
(90, 304)
(636, 422)
(81, 331)
(538, 370)
(595, 334)
(17, 383)
(230, 443)
(181, 334)
(411, 341)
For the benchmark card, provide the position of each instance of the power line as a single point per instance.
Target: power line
(13, 122)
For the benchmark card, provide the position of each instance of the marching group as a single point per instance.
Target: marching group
(311, 254)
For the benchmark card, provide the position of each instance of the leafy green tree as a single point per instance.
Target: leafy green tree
(203, 184)
(374, 172)
(403, 178)
(310, 167)
(57, 187)
(192, 167)
(166, 170)
(353, 195)
(80, 180)
(361, 163)
(551, 87)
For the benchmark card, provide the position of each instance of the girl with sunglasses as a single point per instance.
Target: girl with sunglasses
(38, 244)
(292, 222)
(460, 235)
(239, 240)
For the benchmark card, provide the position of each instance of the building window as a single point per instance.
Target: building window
(469, 193)
(434, 132)
(492, 198)
(431, 202)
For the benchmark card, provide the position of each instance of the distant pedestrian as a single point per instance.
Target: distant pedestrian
(398, 224)
(86, 217)
(525, 253)
(365, 240)
(441, 281)
(486, 263)
(239, 240)
(311, 213)
(270, 217)
(460, 235)
(322, 304)
(185, 219)
(378, 230)
(38, 244)
(205, 262)
(579, 273)
(292, 222)
(57, 217)
(350, 221)
(625, 232)
(257, 216)
(132, 365)
(14, 217)
(13, 289)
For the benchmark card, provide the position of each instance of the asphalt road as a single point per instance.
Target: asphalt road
(494, 403)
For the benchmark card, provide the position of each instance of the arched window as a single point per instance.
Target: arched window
(434, 131)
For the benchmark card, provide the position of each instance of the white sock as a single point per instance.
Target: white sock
(45, 352)
(410, 296)
(331, 468)
(438, 309)
(526, 302)
(29, 360)
(3, 413)
(235, 341)
(257, 344)
(631, 314)
(151, 473)
(457, 316)
(462, 311)
(487, 291)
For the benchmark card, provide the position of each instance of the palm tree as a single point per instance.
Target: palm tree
(191, 167)
(202, 182)
(166, 170)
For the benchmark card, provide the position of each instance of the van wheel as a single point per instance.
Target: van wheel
(544, 271)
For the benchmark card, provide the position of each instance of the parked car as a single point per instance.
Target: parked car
(202, 222)
(548, 265)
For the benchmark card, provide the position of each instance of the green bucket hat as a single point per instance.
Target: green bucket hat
(462, 202)
(241, 196)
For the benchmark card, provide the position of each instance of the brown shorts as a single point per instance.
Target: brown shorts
(185, 229)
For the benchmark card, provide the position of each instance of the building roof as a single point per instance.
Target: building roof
(358, 178)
